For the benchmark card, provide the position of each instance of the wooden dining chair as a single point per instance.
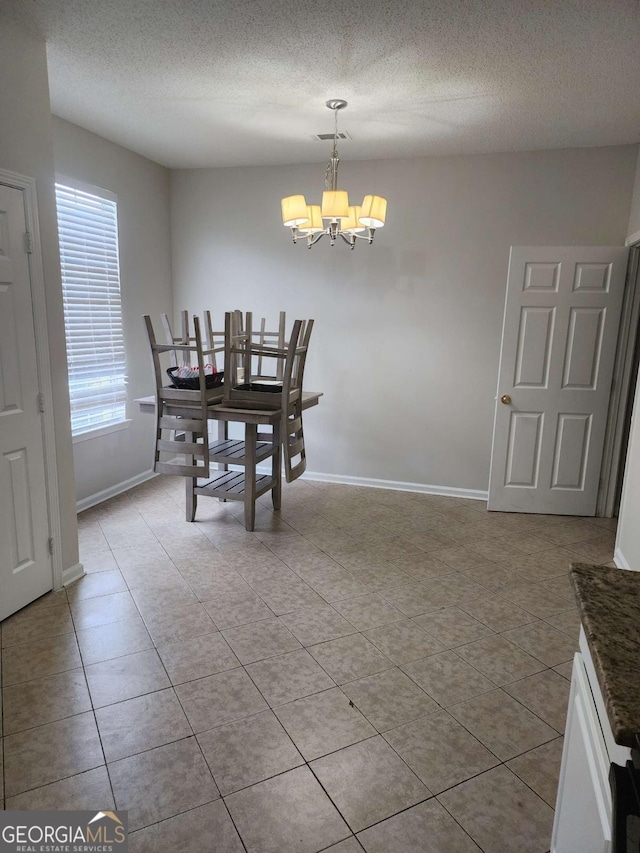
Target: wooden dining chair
(181, 413)
(284, 395)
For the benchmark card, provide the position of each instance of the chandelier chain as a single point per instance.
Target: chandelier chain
(331, 172)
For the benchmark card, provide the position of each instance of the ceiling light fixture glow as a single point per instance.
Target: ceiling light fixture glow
(344, 220)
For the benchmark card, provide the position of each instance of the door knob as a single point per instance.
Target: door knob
(506, 399)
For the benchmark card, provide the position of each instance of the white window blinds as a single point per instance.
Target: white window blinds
(88, 229)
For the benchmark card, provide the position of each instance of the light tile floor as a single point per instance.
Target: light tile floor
(369, 669)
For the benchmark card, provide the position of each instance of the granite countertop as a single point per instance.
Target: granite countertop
(609, 604)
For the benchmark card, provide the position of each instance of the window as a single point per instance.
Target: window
(88, 229)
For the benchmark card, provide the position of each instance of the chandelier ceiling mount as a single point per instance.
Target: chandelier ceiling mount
(335, 217)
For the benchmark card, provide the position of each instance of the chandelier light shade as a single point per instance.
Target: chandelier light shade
(352, 223)
(374, 211)
(313, 223)
(335, 217)
(294, 210)
(335, 204)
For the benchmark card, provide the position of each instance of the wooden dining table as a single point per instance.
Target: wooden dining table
(217, 412)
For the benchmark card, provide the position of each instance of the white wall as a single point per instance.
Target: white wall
(26, 147)
(142, 188)
(407, 333)
(628, 538)
(634, 218)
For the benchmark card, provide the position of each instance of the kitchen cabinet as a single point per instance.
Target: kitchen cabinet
(583, 820)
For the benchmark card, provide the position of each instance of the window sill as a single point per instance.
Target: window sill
(98, 432)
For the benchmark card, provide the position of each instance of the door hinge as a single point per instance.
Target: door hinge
(28, 243)
(40, 401)
(50, 544)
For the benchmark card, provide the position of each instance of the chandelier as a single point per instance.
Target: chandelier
(335, 217)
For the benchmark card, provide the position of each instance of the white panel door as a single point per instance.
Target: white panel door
(25, 563)
(561, 321)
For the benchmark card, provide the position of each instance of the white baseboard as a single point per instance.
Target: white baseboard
(621, 561)
(73, 573)
(397, 485)
(344, 479)
(112, 491)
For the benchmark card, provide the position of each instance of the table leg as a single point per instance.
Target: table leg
(191, 499)
(250, 436)
(223, 435)
(276, 467)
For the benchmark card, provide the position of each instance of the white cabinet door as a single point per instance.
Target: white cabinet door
(583, 809)
(25, 563)
(561, 321)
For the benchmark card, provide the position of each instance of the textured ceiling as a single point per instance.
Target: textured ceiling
(193, 83)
